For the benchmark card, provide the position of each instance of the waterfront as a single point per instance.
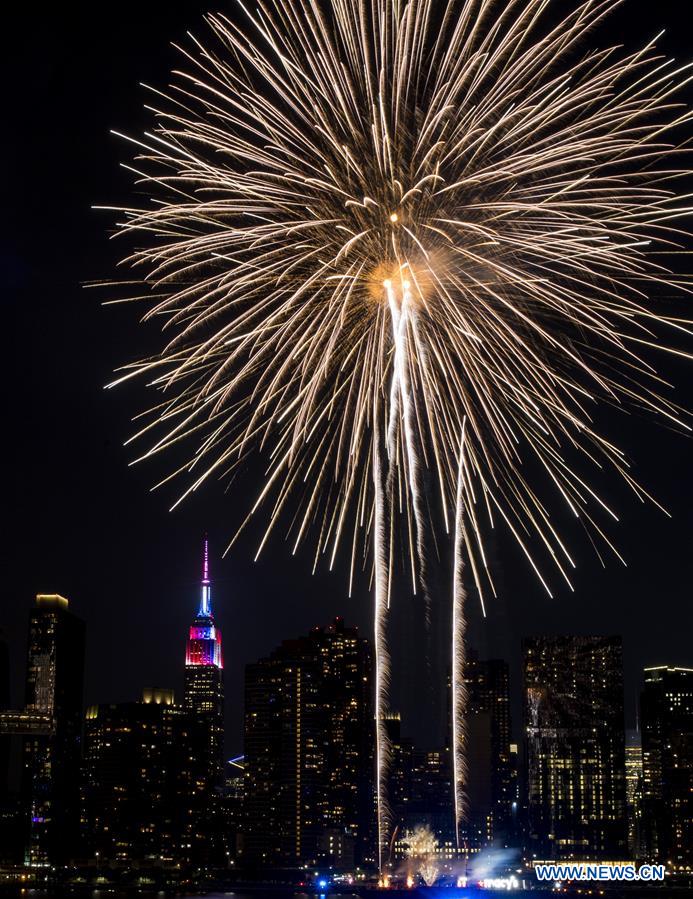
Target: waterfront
(268, 892)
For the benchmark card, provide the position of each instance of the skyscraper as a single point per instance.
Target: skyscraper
(574, 730)
(54, 684)
(491, 787)
(419, 792)
(634, 791)
(204, 675)
(309, 752)
(227, 820)
(666, 717)
(144, 797)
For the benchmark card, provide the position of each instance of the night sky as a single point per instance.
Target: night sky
(80, 522)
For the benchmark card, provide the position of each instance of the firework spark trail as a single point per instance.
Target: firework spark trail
(402, 418)
(458, 655)
(381, 559)
(529, 190)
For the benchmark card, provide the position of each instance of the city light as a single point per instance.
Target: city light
(204, 638)
(500, 883)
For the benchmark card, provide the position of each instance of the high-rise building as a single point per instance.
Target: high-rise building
(54, 685)
(634, 791)
(419, 792)
(574, 731)
(309, 752)
(666, 719)
(491, 789)
(204, 675)
(226, 824)
(15, 724)
(144, 793)
(400, 770)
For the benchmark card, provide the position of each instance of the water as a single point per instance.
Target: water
(630, 891)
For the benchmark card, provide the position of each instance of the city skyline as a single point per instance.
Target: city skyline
(166, 671)
(149, 781)
(203, 650)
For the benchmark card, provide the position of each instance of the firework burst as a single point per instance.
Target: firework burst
(396, 246)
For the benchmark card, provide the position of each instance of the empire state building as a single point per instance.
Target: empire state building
(204, 666)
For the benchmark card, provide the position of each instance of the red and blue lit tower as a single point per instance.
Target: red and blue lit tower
(204, 641)
(204, 666)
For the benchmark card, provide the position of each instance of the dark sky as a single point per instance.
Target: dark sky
(79, 521)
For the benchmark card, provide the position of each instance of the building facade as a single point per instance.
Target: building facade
(227, 820)
(492, 788)
(144, 794)
(204, 676)
(419, 793)
(52, 753)
(666, 716)
(309, 753)
(634, 784)
(574, 735)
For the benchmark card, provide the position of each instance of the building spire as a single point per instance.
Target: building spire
(205, 563)
(206, 598)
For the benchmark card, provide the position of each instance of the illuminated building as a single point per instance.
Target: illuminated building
(634, 791)
(14, 725)
(204, 675)
(51, 753)
(666, 720)
(145, 790)
(492, 788)
(227, 821)
(420, 791)
(400, 770)
(574, 732)
(309, 752)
